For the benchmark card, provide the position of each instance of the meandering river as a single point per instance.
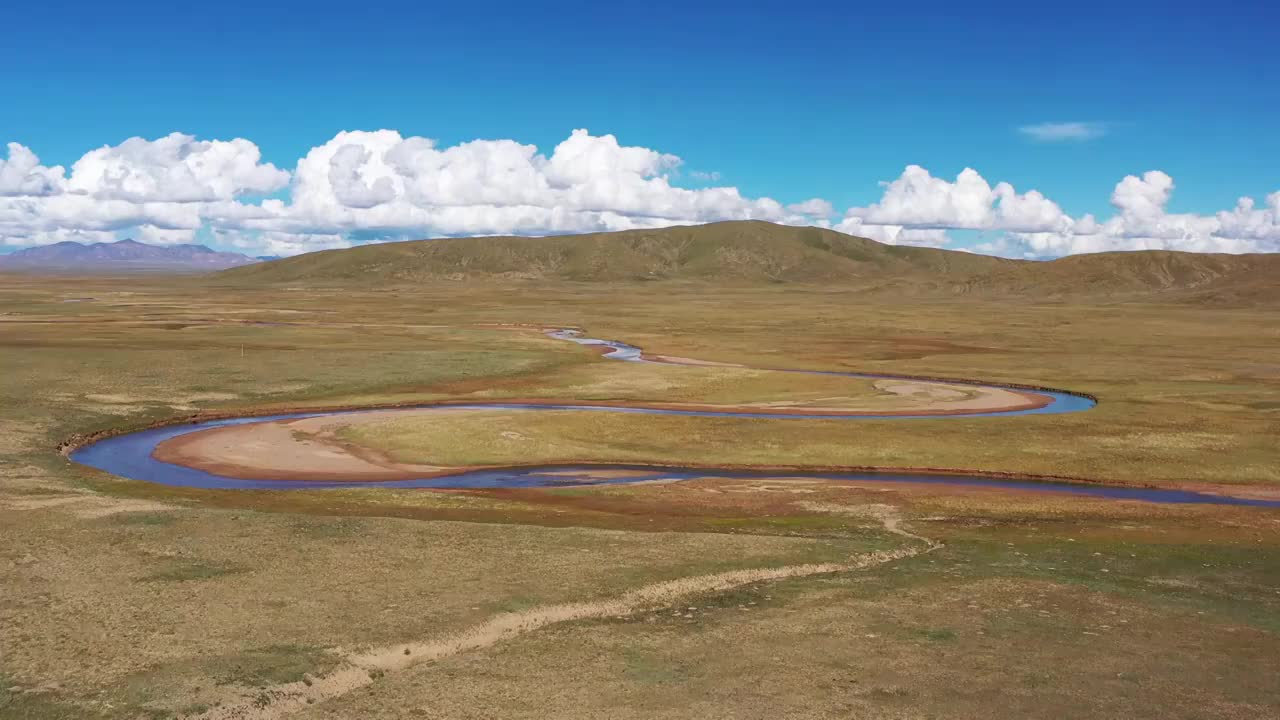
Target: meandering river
(130, 455)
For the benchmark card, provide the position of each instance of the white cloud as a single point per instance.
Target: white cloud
(361, 186)
(155, 190)
(893, 234)
(1063, 131)
(382, 183)
(1142, 222)
(582, 159)
(39, 220)
(1143, 199)
(917, 199)
(175, 168)
(49, 237)
(1247, 223)
(348, 181)
(163, 236)
(22, 174)
(1031, 225)
(278, 243)
(814, 207)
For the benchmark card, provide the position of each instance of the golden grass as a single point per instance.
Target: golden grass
(1014, 444)
(839, 648)
(152, 600)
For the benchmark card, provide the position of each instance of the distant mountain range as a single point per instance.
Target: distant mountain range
(122, 256)
(746, 252)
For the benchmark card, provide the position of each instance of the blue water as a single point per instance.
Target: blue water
(130, 455)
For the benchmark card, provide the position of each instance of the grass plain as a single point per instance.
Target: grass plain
(128, 600)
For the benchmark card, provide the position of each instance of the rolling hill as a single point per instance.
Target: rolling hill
(742, 251)
(1156, 273)
(752, 251)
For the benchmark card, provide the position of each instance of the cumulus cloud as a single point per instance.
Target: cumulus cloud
(49, 237)
(918, 208)
(175, 168)
(160, 191)
(364, 186)
(1063, 131)
(1143, 222)
(359, 184)
(163, 236)
(814, 207)
(22, 174)
(919, 200)
(278, 243)
(383, 183)
(1247, 223)
(38, 220)
(893, 234)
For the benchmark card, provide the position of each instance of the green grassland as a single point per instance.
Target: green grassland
(128, 600)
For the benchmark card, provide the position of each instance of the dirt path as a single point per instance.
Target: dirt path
(886, 514)
(363, 668)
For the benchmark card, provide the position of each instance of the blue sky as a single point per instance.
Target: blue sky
(787, 100)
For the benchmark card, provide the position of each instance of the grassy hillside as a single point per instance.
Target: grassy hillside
(1226, 278)
(754, 252)
(749, 251)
